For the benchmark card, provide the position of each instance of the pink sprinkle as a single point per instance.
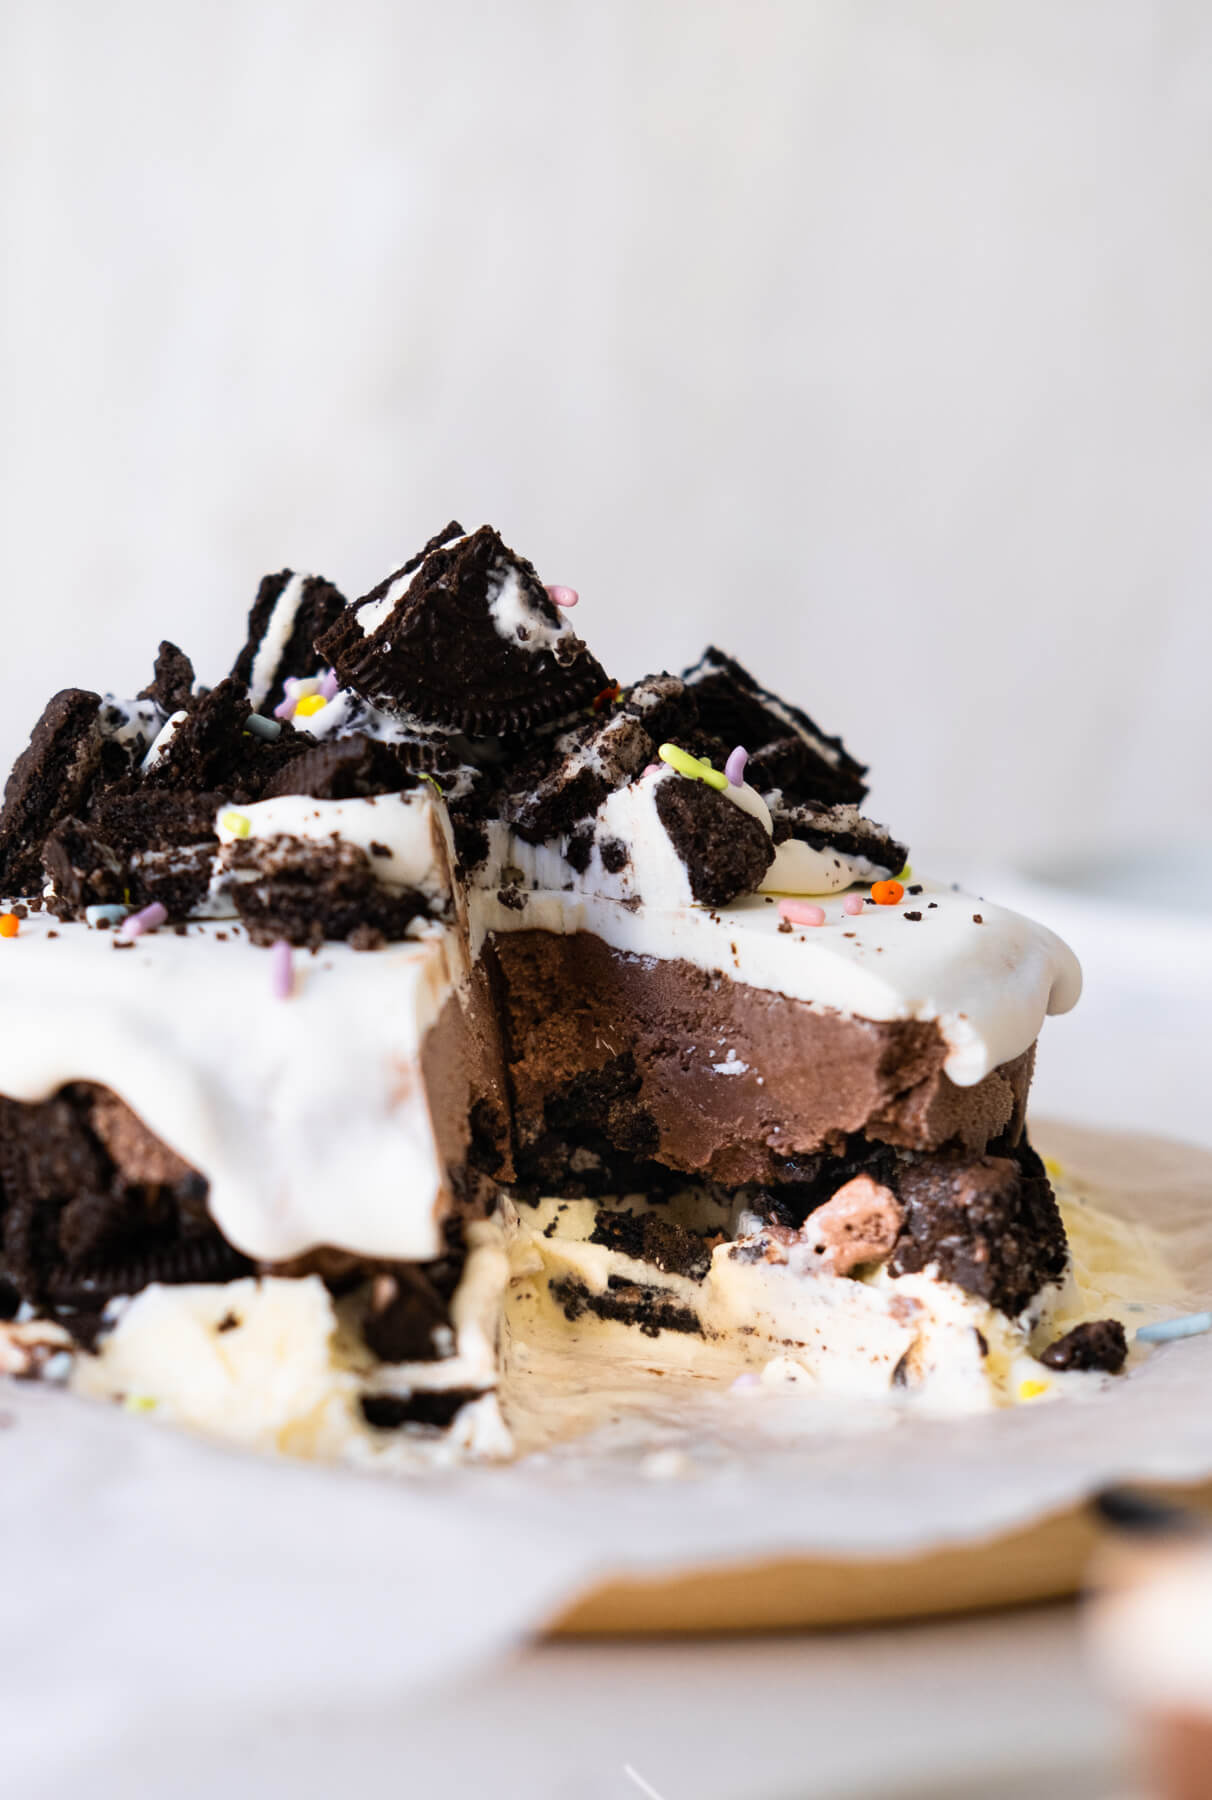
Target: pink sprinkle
(135, 924)
(285, 709)
(283, 972)
(654, 768)
(853, 904)
(798, 912)
(329, 684)
(747, 1380)
(734, 768)
(562, 596)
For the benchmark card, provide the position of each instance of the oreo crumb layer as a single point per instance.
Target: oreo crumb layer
(96, 1206)
(842, 829)
(725, 851)
(436, 1409)
(647, 1308)
(472, 643)
(51, 780)
(306, 892)
(172, 685)
(314, 606)
(990, 1224)
(791, 752)
(647, 1237)
(1099, 1344)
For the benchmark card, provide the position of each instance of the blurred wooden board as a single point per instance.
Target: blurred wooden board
(1045, 1561)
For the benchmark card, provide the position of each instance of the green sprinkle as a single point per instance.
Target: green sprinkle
(429, 778)
(239, 824)
(905, 874)
(682, 763)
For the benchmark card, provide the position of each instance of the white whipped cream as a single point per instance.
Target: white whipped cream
(516, 617)
(406, 836)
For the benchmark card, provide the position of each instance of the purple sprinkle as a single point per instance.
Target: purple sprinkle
(285, 709)
(283, 970)
(734, 768)
(329, 684)
(135, 924)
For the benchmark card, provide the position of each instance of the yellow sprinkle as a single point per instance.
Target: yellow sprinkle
(1055, 1169)
(1031, 1390)
(905, 873)
(429, 778)
(310, 703)
(239, 824)
(141, 1403)
(682, 763)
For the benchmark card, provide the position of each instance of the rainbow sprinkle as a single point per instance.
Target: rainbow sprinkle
(105, 915)
(148, 919)
(853, 905)
(801, 912)
(1189, 1325)
(734, 768)
(236, 824)
(1031, 1390)
(259, 726)
(283, 971)
(10, 925)
(682, 763)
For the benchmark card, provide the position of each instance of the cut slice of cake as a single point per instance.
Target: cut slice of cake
(417, 984)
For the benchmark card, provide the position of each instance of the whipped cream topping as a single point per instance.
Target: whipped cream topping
(406, 836)
(516, 617)
(307, 1116)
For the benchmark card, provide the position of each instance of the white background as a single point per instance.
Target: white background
(871, 340)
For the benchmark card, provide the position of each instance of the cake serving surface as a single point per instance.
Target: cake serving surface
(419, 987)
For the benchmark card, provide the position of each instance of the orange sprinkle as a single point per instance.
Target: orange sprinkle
(607, 697)
(887, 893)
(10, 924)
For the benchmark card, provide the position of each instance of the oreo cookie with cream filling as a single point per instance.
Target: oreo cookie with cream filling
(841, 829)
(51, 780)
(289, 613)
(467, 640)
(807, 763)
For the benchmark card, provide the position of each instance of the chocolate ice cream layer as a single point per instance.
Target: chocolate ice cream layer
(707, 1075)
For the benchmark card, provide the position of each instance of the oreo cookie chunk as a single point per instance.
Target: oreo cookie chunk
(289, 613)
(725, 851)
(840, 829)
(96, 1206)
(172, 685)
(786, 748)
(646, 1237)
(345, 768)
(989, 1223)
(1098, 1344)
(51, 780)
(211, 750)
(307, 892)
(135, 847)
(470, 642)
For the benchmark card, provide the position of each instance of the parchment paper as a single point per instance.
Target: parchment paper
(148, 1574)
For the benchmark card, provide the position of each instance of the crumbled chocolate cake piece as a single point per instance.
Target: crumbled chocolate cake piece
(136, 847)
(211, 749)
(305, 892)
(289, 613)
(590, 761)
(94, 1206)
(472, 643)
(914, 918)
(344, 768)
(1098, 1344)
(648, 1308)
(50, 781)
(664, 706)
(436, 1408)
(649, 1238)
(841, 829)
(990, 1224)
(512, 897)
(173, 684)
(615, 855)
(726, 852)
(808, 765)
(410, 1308)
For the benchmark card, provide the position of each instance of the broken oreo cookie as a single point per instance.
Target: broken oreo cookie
(289, 613)
(51, 780)
(469, 642)
(841, 829)
(725, 851)
(789, 750)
